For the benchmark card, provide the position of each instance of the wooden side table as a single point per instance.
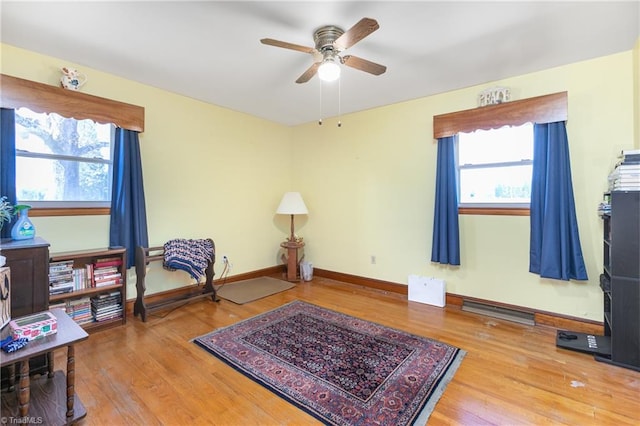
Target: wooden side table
(291, 259)
(42, 399)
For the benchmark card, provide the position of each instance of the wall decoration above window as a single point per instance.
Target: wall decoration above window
(493, 96)
(72, 79)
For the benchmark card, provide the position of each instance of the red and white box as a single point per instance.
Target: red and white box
(34, 326)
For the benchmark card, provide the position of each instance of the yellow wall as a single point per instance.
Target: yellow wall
(208, 172)
(370, 190)
(368, 185)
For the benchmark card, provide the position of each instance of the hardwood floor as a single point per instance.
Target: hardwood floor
(152, 374)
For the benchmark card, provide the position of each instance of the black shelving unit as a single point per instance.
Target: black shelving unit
(620, 280)
(620, 283)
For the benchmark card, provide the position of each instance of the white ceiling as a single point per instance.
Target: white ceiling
(210, 50)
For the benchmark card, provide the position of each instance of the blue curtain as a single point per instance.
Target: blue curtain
(128, 226)
(445, 247)
(555, 250)
(8, 162)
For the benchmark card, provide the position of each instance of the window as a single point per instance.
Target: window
(62, 162)
(495, 167)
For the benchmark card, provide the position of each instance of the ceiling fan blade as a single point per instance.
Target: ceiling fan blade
(310, 72)
(363, 65)
(284, 44)
(356, 33)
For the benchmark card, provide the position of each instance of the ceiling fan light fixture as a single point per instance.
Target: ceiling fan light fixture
(329, 70)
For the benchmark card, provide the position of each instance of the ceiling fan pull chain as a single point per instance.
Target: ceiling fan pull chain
(339, 103)
(320, 120)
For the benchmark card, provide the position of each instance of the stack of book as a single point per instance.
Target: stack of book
(105, 307)
(107, 272)
(78, 309)
(626, 175)
(604, 208)
(80, 279)
(61, 277)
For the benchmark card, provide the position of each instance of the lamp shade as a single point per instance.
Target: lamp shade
(292, 203)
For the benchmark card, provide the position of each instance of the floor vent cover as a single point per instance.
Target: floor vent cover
(499, 312)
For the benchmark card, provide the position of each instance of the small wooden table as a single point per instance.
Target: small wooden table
(45, 395)
(291, 259)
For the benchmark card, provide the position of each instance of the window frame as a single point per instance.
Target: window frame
(540, 109)
(40, 97)
(63, 204)
(494, 166)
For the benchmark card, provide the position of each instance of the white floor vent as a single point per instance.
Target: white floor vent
(499, 312)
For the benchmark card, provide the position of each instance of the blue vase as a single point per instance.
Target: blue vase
(23, 229)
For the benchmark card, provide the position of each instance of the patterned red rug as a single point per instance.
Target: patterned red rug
(340, 369)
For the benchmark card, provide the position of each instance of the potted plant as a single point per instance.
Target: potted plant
(6, 211)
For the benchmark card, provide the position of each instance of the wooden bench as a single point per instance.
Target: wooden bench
(145, 255)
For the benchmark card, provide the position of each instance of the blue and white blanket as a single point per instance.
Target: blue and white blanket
(192, 256)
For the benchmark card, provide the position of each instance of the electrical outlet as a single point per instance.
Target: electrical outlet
(373, 259)
(225, 260)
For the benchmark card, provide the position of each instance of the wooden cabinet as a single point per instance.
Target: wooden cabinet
(620, 280)
(103, 293)
(29, 263)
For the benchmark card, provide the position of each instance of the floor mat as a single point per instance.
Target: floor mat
(245, 291)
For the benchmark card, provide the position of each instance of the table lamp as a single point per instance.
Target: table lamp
(292, 204)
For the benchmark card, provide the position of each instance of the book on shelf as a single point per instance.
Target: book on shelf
(625, 177)
(57, 278)
(629, 187)
(61, 289)
(61, 279)
(58, 305)
(107, 306)
(80, 279)
(61, 264)
(627, 167)
(106, 301)
(89, 268)
(111, 281)
(107, 262)
(107, 298)
(107, 275)
(78, 309)
(105, 270)
(107, 311)
(109, 318)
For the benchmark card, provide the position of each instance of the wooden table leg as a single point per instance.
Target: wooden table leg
(71, 378)
(50, 363)
(11, 369)
(24, 388)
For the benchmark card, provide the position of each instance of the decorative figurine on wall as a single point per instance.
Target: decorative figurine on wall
(72, 79)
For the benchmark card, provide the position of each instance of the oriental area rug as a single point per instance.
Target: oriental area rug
(340, 369)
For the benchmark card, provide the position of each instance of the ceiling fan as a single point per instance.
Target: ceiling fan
(330, 41)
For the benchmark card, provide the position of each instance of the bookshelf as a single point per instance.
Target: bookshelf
(90, 285)
(620, 280)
